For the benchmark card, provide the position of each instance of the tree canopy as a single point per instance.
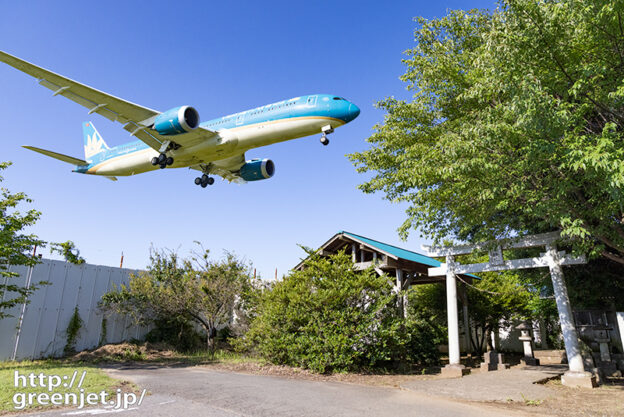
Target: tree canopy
(16, 247)
(516, 125)
(195, 289)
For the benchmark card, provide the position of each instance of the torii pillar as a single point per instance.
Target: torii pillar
(454, 368)
(576, 376)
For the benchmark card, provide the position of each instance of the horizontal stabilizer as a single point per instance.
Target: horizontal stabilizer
(59, 156)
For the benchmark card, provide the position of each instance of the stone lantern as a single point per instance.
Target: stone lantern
(601, 335)
(606, 366)
(527, 342)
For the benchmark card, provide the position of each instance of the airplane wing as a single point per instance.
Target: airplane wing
(225, 168)
(136, 119)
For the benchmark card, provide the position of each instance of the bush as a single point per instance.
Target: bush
(176, 332)
(330, 317)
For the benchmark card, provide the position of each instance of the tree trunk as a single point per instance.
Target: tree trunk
(211, 334)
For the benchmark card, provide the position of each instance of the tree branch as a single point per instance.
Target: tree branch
(613, 257)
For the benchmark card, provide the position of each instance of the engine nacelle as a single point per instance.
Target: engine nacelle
(178, 120)
(257, 169)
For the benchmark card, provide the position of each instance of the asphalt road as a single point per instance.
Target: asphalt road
(196, 391)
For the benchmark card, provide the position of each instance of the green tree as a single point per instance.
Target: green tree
(494, 301)
(16, 247)
(329, 317)
(195, 289)
(516, 126)
(69, 251)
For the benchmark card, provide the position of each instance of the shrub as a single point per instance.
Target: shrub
(329, 317)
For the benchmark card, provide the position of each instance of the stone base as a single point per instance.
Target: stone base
(608, 369)
(487, 367)
(548, 357)
(454, 371)
(579, 379)
(526, 361)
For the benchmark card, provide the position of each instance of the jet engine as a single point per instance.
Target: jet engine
(177, 120)
(257, 169)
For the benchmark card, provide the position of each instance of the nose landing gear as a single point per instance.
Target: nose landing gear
(326, 131)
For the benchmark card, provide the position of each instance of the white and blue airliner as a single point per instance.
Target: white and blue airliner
(175, 138)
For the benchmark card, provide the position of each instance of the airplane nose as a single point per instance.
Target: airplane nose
(354, 111)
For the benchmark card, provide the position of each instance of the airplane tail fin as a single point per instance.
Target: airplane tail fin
(93, 142)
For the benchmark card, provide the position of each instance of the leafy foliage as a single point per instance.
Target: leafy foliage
(516, 125)
(329, 317)
(177, 332)
(175, 290)
(16, 247)
(493, 301)
(73, 328)
(69, 251)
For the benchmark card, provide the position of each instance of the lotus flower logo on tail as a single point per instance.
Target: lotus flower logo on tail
(93, 142)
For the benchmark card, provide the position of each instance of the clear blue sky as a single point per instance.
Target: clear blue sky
(220, 57)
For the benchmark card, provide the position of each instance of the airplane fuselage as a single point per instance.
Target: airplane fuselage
(237, 133)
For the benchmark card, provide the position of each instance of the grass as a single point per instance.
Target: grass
(220, 356)
(94, 381)
(139, 352)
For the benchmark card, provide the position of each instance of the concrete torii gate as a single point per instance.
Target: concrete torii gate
(553, 259)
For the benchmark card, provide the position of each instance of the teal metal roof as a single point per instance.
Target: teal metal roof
(398, 252)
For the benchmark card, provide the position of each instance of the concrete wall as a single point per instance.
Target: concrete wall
(45, 320)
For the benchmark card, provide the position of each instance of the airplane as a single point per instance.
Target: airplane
(176, 138)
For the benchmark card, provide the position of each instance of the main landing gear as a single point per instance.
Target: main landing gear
(162, 160)
(326, 131)
(204, 180)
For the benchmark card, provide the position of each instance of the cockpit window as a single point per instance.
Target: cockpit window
(338, 98)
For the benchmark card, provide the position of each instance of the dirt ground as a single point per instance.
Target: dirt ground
(606, 400)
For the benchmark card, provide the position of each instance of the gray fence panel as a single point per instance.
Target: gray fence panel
(51, 307)
(9, 324)
(118, 322)
(28, 336)
(85, 295)
(70, 287)
(46, 302)
(93, 323)
(44, 327)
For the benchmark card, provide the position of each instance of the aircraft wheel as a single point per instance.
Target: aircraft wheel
(163, 166)
(162, 158)
(204, 185)
(155, 161)
(210, 180)
(169, 161)
(198, 181)
(324, 140)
